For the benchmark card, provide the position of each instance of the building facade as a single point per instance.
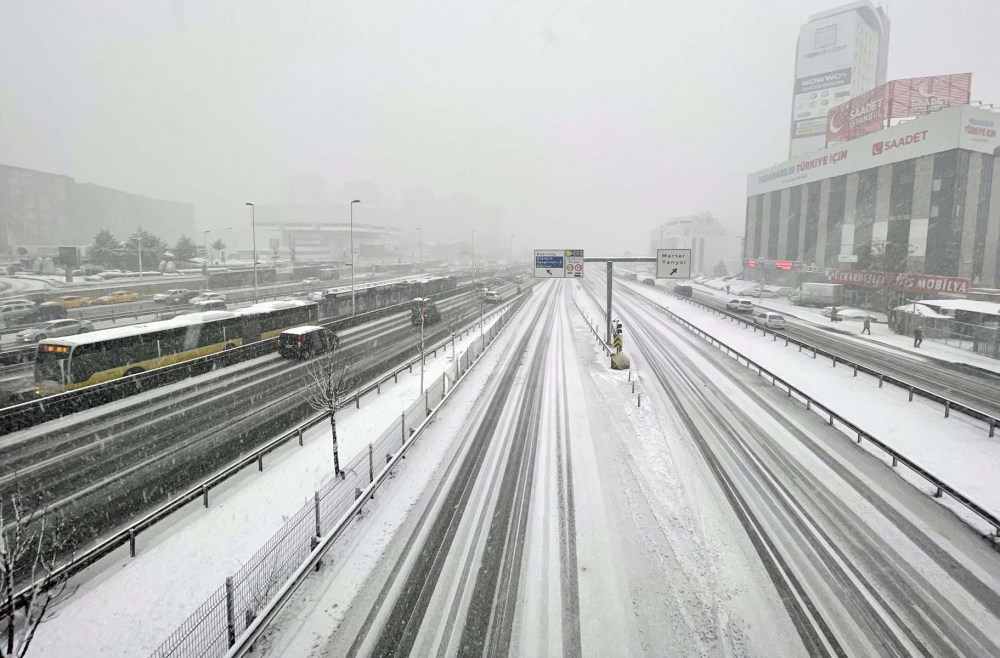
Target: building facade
(921, 197)
(40, 211)
(840, 54)
(322, 232)
(703, 235)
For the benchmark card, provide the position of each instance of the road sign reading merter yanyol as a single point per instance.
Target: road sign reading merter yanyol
(673, 263)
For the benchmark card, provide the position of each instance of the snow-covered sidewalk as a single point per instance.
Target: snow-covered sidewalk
(880, 332)
(127, 606)
(957, 449)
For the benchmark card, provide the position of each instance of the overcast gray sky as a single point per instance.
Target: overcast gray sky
(575, 123)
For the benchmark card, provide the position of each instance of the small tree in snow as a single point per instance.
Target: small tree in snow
(328, 385)
(31, 542)
(452, 321)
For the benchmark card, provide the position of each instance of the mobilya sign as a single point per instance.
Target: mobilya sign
(919, 283)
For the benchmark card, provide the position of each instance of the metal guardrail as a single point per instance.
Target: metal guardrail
(604, 346)
(949, 405)
(129, 534)
(245, 643)
(28, 414)
(813, 404)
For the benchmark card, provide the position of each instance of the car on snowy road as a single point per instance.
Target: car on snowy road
(740, 305)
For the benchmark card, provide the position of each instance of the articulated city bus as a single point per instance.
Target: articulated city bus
(65, 364)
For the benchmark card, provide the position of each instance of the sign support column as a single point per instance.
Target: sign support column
(611, 270)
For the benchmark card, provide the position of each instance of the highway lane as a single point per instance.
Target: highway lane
(866, 564)
(546, 532)
(968, 386)
(104, 465)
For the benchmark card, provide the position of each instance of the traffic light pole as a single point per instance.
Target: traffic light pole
(611, 264)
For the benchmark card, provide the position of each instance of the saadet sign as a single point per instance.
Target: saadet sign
(880, 147)
(917, 283)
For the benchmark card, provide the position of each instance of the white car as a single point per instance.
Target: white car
(164, 296)
(312, 280)
(740, 305)
(209, 297)
(769, 319)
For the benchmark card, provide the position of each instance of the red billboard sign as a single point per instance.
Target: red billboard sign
(873, 110)
(915, 97)
(918, 283)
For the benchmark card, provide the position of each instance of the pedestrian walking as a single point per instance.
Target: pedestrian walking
(833, 314)
(727, 289)
(867, 329)
(918, 336)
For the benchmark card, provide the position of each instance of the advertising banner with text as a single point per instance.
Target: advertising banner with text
(914, 97)
(917, 283)
(965, 127)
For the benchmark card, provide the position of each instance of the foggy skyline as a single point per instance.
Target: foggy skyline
(578, 124)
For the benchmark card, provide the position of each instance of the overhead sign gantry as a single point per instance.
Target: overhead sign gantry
(558, 263)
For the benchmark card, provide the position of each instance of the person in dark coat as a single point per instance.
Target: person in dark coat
(918, 336)
(868, 325)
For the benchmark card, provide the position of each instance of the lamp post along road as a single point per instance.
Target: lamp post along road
(420, 249)
(205, 262)
(253, 232)
(352, 255)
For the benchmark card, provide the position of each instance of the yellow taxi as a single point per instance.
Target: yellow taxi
(119, 297)
(71, 301)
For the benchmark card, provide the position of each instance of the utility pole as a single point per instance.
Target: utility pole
(253, 231)
(420, 250)
(140, 254)
(352, 256)
(473, 246)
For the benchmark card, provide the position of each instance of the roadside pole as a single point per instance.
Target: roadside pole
(611, 272)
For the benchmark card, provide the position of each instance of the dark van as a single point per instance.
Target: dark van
(305, 342)
(684, 291)
(430, 311)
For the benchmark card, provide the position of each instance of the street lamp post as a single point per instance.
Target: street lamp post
(204, 263)
(229, 228)
(420, 249)
(140, 254)
(253, 232)
(473, 255)
(510, 258)
(352, 254)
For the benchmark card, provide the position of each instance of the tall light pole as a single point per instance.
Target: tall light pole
(352, 254)
(420, 249)
(510, 258)
(253, 232)
(205, 238)
(229, 228)
(473, 255)
(140, 254)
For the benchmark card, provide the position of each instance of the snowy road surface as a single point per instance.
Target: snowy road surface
(973, 386)
(558, 517)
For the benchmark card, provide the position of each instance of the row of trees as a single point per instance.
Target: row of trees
(109, 252)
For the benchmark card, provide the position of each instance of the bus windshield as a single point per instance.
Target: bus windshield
(50, 365)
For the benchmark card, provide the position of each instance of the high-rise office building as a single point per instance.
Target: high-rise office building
(841, 53)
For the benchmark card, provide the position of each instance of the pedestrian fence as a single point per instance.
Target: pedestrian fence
(832, 417)
(130, 534)
(227, 614)
(949, 405)
(604, 346)
(974, 338)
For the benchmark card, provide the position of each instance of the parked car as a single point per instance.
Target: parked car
(769, 319)
(310, 280)
(182, 297)
(14, 312)
(207, 296)
(70, 301)
(305, 342)
(492, 297)
(740, 305)
(119, 297)
(164, 296)
(52, 329)
(684, 291)
(431, 314)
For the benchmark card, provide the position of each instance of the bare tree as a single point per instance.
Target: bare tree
(452, 321)
(328, 385)
(30, 546)
(885, 259)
